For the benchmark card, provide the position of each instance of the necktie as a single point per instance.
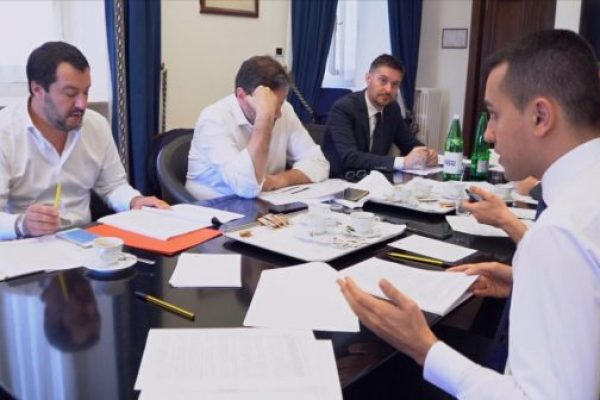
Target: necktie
(499, 353)
(377, 132)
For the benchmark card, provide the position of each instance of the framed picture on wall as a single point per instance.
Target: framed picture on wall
(239, 8)
(454, 38)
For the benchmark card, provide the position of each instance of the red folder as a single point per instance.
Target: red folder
(167, 247)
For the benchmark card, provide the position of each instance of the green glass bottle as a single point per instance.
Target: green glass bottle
(480, 157)
(453, 152)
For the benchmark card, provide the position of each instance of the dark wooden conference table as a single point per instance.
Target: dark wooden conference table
(94, 350)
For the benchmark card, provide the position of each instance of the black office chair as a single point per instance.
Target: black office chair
(171, 168)
(317, 132)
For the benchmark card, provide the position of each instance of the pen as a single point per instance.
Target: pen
(300, 190)
(288, 189)
(166, 305)
(145, 260)
(425, 260)
(57, 195)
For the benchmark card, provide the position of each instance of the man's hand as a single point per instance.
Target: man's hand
(150, 201)
(399, 322)
(495, 279)
(285, 178)
(416, 159)
(491, 210)
(432, 157)
(274, 182)
(41, 220)
(265, 103)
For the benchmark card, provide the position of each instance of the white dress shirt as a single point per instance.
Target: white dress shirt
(30, 168)
(372, 111)
(554, 330)
(219, 163)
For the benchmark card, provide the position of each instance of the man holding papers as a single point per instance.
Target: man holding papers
(53, 151)
(243, 142)
(543, 98)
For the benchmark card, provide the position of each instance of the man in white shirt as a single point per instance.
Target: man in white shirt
(53, 151)
(543, 99)
(242, 142)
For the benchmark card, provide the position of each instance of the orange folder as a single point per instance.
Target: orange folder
(167, 247)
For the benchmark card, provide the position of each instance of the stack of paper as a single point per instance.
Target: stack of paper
(47, 253)
(237, 363)
(437, 292)
(165, 224)
(432, 248)
(304, 296)
(207, 270)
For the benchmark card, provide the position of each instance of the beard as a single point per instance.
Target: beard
(72, 120)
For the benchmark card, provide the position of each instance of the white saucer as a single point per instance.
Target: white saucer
(125, 261)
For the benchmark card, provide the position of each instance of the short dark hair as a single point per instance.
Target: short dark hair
(261, 71)
(387, 61)
(43, 62)
(554, 63)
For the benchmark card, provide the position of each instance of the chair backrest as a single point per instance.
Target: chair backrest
(171, 168)
(327, 96)
(317, 132)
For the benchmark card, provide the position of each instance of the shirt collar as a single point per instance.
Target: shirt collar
(236, 109)
(371, 109)
(569, 166)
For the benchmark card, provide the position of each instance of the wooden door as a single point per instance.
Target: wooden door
(495, 23)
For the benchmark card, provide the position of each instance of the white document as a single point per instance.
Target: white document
(308, 192)
(432, 248)
(469, 225)
(423, 171)
(165, 224)
(237, 363)
(524, 199)
(437, 292)
(46, 253)
(303, 296)
(375, 183)
(523, 213)
(207, 270)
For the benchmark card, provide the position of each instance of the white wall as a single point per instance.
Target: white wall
(568, 14)
(202, 52)
(444, 68)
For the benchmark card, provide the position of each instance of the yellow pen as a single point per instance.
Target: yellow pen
(425, 260)
(57, 195)
(166, 305)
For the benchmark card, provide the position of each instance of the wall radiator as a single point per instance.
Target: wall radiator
(428, 115)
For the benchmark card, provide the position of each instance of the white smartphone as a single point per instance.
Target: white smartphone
(78, 236)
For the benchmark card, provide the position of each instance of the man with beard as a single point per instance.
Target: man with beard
(362, 126)
(53, 151)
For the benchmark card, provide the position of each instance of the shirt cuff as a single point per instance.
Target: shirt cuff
(120, 198)
(398, 163)
(445, 367)
(7, 226)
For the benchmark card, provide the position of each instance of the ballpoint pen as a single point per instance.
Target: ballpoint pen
(300, 190)
(425, 260)
(166, 305)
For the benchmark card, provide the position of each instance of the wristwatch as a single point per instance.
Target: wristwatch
(20, 226)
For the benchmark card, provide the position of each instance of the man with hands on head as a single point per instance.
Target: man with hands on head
(51, 140)
(540, 127)
(362, 126)
(242, 142)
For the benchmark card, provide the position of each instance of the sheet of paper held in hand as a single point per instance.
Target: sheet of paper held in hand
(432, 248)
(207, 270)
(303, 296)
(437, 292)
(165, 224)
(237, 363)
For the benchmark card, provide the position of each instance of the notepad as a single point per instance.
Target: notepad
(432, 248)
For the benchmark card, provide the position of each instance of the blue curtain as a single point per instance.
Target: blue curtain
(405, 32)
(312, 28)
(133, 28)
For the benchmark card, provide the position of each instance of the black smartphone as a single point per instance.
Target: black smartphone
(352, 194)
(473, 197)
(287, 208)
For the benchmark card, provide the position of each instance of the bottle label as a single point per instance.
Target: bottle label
(452, 163)
(482, 167)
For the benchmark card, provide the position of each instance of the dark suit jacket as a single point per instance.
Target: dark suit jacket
(346, 143)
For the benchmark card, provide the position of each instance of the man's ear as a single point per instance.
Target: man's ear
(544, 116)
(36, 88)
(240, 94)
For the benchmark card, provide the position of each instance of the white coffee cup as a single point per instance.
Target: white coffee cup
(453, 190)
(363, 222)
(108, 250)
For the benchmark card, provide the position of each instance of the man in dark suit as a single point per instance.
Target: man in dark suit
(362, 126)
